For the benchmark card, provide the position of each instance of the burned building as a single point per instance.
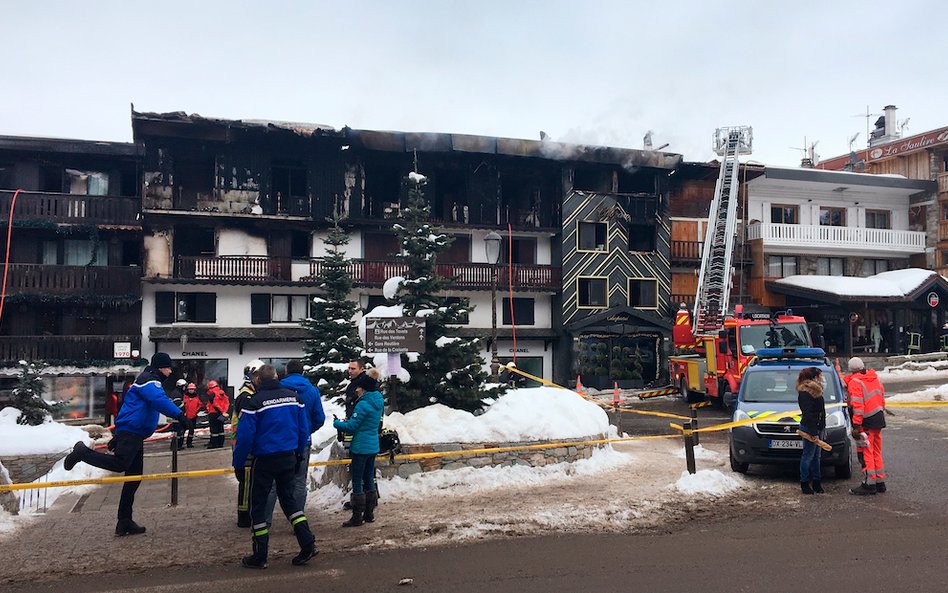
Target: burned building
(235, 212)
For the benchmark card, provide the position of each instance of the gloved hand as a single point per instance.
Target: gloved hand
(222, 419)
(185, 422)
(111, 445)
(857, 432)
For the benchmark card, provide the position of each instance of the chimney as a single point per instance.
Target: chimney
(891, 127)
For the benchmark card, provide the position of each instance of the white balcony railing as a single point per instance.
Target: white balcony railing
(837, 239)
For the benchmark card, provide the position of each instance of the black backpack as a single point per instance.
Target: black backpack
(389, 443)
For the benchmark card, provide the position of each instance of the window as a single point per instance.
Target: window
(522, 309)
(874, 266)
(195, 307)
(465, 318)
(375, 300)
(524, 250)
(781, 266)
(833, 216)
(641, 237)
(299, 245)
(380, 246)
(830, 266)
(784, 214)
(278, 308)
(592, 236)
(87, 183)
(878, 219)
(643, 293)
(591, 293)
(79, 252)
(288, 190)
(459, 252)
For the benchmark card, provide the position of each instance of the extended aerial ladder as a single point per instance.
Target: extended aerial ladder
(714, 279)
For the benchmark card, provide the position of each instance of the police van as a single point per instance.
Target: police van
(769, 392)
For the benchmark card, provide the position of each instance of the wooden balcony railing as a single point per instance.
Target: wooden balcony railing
(943, 230)
(62, 348)
(62, 280)
(71, 209)
(469, 276)
(943, 183)
(234, 267)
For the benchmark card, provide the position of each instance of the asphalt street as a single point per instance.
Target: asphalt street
(835, 542)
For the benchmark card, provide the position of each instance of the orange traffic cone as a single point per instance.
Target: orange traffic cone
(615, 393)
(579, 384)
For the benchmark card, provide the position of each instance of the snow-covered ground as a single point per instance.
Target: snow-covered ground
(51, 437)
(916, 371)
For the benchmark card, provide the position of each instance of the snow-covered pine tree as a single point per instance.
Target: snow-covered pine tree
(333, 336)
(450, 372)
(28, 396)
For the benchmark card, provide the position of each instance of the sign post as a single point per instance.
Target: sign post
(394, 336)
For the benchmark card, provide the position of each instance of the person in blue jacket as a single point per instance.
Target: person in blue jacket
(136, 421)
(274, 429)
(363, 425)
(315, 416)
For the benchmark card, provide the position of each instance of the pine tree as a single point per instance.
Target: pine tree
(450, 371)
(333, 335)
(28, 396)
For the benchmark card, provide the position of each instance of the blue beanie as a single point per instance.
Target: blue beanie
(161, 361)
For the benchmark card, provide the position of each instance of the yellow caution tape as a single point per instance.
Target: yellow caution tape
(601, 405)
(915, 404)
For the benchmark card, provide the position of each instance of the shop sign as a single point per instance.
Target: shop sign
(121, 349)
(619, 318)
(394, 334)
(909, 144)
(198, 353)
(519, 350)
(933, 299)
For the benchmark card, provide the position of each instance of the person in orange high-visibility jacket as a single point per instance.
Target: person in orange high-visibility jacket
(217, 405)
(867, 398)
(192, 405)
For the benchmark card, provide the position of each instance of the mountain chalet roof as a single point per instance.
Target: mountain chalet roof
(893, 285)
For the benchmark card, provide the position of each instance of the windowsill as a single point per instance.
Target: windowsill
(592, 306)
(592, 250)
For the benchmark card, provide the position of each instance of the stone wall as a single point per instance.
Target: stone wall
(26, 468)
(8, 500)
(571, 451)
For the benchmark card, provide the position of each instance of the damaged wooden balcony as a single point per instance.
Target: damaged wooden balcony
(469, 276)
(70, 209)
(77, 349)
(70, 280)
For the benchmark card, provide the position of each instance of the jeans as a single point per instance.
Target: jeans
(299, 486)
(128, 458)
(810, 460)
(363, 473)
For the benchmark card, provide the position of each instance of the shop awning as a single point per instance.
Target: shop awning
(887, 287)
(228, 334)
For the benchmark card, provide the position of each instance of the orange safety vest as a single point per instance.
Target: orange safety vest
(219, 403)
(867, 397)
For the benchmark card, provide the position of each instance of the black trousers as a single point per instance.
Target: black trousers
(217, 432)
(279, 469)
(128, 458)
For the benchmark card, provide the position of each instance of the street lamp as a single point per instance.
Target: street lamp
(492, 250)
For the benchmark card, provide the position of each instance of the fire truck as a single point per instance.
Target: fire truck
(721, 342)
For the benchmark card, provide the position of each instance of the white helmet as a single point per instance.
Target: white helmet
(252, 367)
(180, 383)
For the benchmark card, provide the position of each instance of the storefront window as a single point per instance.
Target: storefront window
(84, 396)
(603, 358)
(200, 371)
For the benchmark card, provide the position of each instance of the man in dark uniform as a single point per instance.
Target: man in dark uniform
(243, 473)
(274, 429)
(136, 421)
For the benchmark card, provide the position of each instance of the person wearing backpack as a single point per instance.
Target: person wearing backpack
(363, 425)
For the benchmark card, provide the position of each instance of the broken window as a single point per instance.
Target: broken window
(635, 182)
(383, 183)
(592, 178)
(87, 183)
(51, 178)
(642, 237)
(193, 179)
(194, 241)
(592, 236)
(450, 195)
(521, 196)
(288, 189)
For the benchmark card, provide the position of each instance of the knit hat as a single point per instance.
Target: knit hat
(856, 364)
(366, 382)
(161, 361)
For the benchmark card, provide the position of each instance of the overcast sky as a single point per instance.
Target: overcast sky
(583, 71)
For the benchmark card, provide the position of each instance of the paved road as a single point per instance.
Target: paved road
(892, 542)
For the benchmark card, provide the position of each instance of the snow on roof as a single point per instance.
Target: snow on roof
(894, 284)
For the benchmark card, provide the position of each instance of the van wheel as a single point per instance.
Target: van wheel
(737, 466)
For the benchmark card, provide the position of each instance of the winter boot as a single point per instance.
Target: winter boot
(880, 487)
(371, 501)
(805, 487)
(75, 456)
(818, 487)
(261, 547)
(863, 489)
(128, 527)
(190, 442)
(306, 540)
(358, 509)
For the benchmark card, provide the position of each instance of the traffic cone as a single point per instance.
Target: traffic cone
(615, 393)
(579, 385)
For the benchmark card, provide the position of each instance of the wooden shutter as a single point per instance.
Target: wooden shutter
(164, 307)
(259, 308)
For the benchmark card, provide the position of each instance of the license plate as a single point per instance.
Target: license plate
(785, 444)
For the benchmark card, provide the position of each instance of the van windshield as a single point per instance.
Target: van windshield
(774, 336)
(780, 386)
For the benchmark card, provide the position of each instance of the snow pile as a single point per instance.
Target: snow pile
(916, 370)
(326, 432)
(707, 481)
(700, 453)
(390, 288)
(897, 283)
(932, 394)
(527, 414)
(50, 437)
(417, 177)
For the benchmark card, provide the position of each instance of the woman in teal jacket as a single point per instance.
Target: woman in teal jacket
(363, 425)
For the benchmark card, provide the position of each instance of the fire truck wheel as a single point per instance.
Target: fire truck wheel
(683, 389)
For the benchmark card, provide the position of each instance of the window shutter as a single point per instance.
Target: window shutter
(164, 307)
(259, 308)
(205, 307)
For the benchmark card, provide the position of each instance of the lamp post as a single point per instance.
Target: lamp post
(492, 250)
